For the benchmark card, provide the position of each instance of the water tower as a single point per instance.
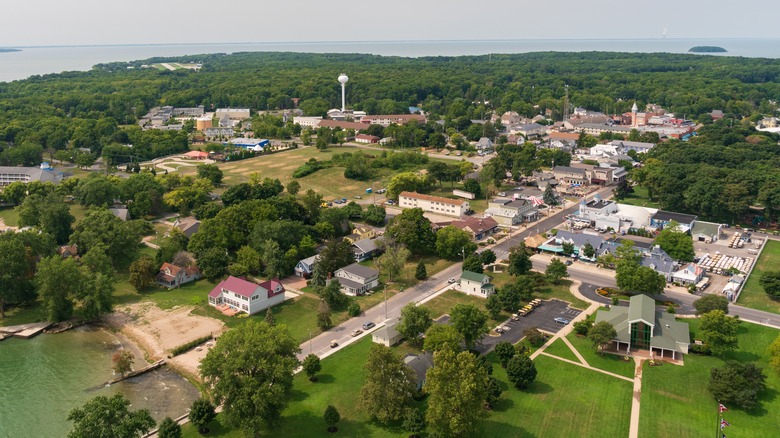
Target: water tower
(343, 79)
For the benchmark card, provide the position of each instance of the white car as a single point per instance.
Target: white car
(452, 280)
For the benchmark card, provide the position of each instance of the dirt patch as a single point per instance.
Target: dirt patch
(157, 331)
(673, 396)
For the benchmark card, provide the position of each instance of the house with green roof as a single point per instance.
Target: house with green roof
(475, 284)
(640, 326)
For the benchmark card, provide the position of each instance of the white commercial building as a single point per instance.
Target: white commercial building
(433, 204)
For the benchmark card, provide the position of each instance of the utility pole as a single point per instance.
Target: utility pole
(385, 301)
(309, 341)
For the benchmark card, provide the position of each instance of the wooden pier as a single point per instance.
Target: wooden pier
(24, 331)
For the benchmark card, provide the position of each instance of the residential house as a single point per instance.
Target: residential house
(475, 284)
(236, 295)
(478, 227)
(662, 219)
(188, 225)
(691, 274)
(420, 364)
(365, 138)
(356, 279)
(172, 276)
(484, 143)
(387, 335)
(66, 251)
(508, 212)
(530, 130)
(305, 267)
(641, 327)
(660, 262)
(120, 212)
(365, 249)
(716, 114)
(360, 233)
(433, 204)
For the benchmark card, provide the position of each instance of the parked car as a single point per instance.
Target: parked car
(469, 212)
(368, 325)
(563, 321)
(451, 280)
(390, 202)
(356, 332)
(567, 263)
(358, 197)
(334, 343)
(380, 191)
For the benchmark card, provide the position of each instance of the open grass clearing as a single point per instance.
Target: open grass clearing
(560, 349)
(676, 403)
(549, 291)
(640, 198)
(433, 265)
(753, 294)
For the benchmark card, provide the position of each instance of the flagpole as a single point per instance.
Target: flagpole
(717, 420)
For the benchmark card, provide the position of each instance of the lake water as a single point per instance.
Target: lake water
(43, 378)
(43, 60)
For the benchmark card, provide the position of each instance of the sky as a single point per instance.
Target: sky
(87, 22)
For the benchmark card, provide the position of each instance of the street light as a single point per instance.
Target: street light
(385, 301)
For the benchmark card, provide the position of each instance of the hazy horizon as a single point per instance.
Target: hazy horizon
(48, 23)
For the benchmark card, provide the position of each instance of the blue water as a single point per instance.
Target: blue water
(43, 60)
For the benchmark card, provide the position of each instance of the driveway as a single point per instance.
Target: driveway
(543, 318)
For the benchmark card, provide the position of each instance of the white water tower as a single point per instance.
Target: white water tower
(343, 79)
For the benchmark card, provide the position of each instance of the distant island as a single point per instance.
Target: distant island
(707, 49)
(9, 50)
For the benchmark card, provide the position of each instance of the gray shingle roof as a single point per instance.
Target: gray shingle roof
(360, 270)
(641, 307)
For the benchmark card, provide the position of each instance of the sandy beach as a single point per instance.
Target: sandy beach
(157, 331)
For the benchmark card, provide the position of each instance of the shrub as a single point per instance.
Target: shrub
(181, 349)
(353, 310)
(535, 337)
(581, 328)
(699, 349)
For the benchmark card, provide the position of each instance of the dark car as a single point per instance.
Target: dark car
(368, 325)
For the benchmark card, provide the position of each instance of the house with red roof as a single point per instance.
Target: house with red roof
(172, 276)
(235, 295)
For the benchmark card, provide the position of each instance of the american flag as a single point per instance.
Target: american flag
(722, 408)
(724, 423)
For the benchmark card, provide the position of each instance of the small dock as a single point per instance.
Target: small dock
(24, 331)
(143, 370)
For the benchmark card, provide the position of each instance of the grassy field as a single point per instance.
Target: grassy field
(753, 294)
(560, 349)
(11, 217)
(433, 265)
(675, 401)
(445, 302)
(548, 291)
(607, 362)
(640, 198)
(596, 406)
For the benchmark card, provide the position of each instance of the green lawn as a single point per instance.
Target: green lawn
(597, 406)
(10, 216)
(560, 349)
(433, 265)
(640, 198)
(565, 401)
(676, 403)
(607, 362)
(753, 294)
(549, 291)
(445, 302)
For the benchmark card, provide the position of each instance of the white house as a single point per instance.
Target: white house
(475, 284)
(433, 204)
(236, 295)
(387, 335)
(357, 279)
(691, 274)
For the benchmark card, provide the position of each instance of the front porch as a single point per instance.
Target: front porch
(657, 354)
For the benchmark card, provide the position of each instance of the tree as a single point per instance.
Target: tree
(335, 255)
(555, 271)
(601, 334)
(293, 187)
(201, 414)
(505, 351)
(737, 383)
(415, 320)
(493, 306)
(14, 274)
(442, 336)
(519, 261)
(676, 243)
(774, 354)
(331, 417)
(123, 362)
(521, 371)
(103, 417)
(512, 294)
(472, 186)
(390, 385)
(493, 392)
(457, 389)
(392, 262)
(311, 366)
(142, 272)
(718, 331)
(534, 336)
(770, 281)
(271, 254)
(470, 322)
(549, 197)
(487, 257)
(582, 328)
(420, 273)
(324, 321)
(250, 372)
(59, 283)
(567, 248)
(452, 242)
(210, 172)
(414, 422)
(588, 251)
(51, 214)
(413, 230)
(374, 215)
(96, 191)
(213, 263)
(169, 429)
(473, 263)
(710, 302)
(101, 227)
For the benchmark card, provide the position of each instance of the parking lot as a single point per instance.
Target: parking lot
(543, 318)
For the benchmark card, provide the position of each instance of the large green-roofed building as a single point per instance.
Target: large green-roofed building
(641, 327)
